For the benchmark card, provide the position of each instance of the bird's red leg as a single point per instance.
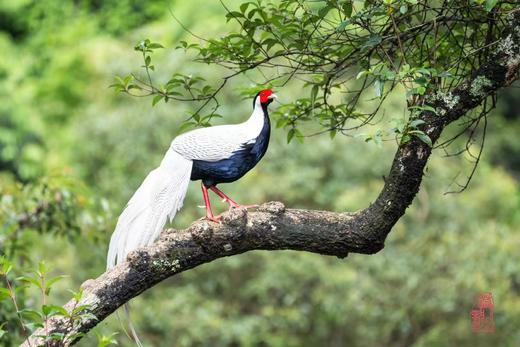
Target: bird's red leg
(209, 213)
(230, 201)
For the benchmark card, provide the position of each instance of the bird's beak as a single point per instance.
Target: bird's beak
(272, 96)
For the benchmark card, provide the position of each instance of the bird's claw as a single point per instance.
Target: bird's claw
(215, 219)
(242, 206)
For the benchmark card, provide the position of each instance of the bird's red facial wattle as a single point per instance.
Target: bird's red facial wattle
(266, 96)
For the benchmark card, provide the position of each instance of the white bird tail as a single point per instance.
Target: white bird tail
(160, 196)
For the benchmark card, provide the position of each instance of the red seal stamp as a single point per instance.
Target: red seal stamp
(482, 315)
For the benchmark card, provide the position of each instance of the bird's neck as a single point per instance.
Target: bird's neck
(258, 117)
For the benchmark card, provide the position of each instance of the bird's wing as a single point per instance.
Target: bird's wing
(213, 143)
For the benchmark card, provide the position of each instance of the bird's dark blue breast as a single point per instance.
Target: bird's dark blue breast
(236, 166)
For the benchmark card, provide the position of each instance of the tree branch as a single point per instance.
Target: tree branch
(273, 227)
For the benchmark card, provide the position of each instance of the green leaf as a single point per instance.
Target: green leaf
(46, 310)
(234, 15)
(31, 315)
(372, 41)
(281, 122)
(362, 73)
(6, 266)
(314, 93)
(42, 267)
(207, 89)
(423, 108)
(415, 123)
(490, 4)
(347, 8)
(378, 87)
(156, 99)
(31, 280)
(422, 136)
(134, 86)
(342, 25)
(128, 79)
(290, 134)
(270, 42)
(155, 45)
(57, 336)
(2, 331)
(294, 133)
(104, 340)
(187, 125)
(5, 293)
(77, 295)
(244, 7)
(52, 310)
(426, 139)
(142, 45)
(51, 282)
(117, 86)
(324, 10)
(299, 135)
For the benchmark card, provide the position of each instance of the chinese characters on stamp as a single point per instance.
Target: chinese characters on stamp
(482, 315)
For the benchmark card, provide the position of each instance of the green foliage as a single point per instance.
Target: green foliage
(106, 340)
(49, 206)
(29, 319)
(342, 52)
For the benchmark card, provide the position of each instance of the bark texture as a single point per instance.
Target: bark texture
(274, 227)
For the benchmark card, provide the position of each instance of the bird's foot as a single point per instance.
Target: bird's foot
(215, 219)
(235, 205)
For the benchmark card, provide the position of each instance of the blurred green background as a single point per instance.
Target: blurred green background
(77, 148)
